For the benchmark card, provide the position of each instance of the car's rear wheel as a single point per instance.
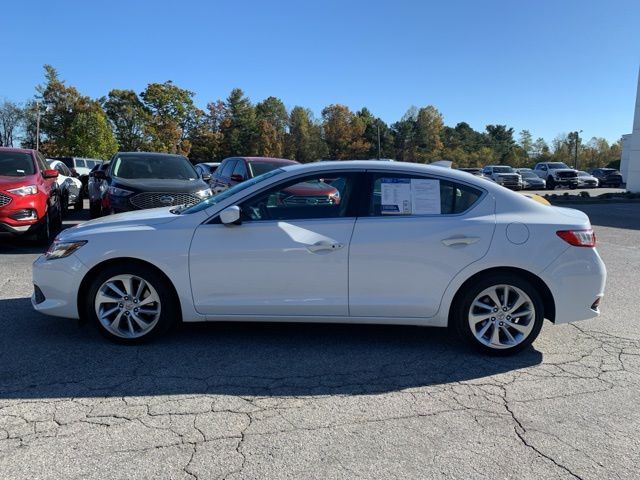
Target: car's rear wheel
(500, 314)
(131, 304)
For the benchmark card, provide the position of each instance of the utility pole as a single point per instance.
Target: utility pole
(37, 126)
(378, 126)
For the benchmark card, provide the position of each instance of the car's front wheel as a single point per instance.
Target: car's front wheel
(500, 314)
(131, 304)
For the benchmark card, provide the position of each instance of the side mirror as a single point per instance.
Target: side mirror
(236, 177)
(230, 215)
(206, 177)
(50, 173)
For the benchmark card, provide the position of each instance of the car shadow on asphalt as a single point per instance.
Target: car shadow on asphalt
(47, 357)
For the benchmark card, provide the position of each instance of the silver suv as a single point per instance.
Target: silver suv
(503, 175)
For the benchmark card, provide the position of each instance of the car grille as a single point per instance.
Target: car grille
(162, 199)
(4, 199)
(567, 174)
(509, 179)
(308, 200)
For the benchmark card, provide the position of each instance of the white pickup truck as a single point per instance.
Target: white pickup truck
(557, 174)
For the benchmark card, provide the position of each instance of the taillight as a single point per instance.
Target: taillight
(578, 238)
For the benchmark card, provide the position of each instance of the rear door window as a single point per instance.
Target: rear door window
(406, 194)
(227, 169)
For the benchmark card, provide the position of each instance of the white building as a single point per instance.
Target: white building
(630, 159)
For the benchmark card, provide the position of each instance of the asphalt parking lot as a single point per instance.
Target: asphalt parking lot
(295, 401)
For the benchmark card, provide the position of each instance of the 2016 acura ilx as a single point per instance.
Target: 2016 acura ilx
(406, 244)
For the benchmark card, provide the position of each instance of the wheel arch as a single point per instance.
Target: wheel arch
(85, 285)
(547, 297)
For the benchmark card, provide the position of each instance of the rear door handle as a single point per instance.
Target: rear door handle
(452, 241)
(324, 247)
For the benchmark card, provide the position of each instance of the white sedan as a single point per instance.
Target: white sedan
(394, 243)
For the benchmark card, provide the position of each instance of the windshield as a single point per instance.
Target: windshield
(16, 164)
(557, 165)
(198, 207)
(528, 174)
(503, 170)
(156, 166)
(258, 168)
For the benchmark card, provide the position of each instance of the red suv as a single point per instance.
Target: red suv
(29, 194)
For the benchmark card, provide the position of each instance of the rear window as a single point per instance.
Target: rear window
(16, 164)
(404, 194)
(258, 168)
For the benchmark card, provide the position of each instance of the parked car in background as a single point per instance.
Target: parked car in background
(80, 166)
(139, 180)
(234, 170)
(205, 168)
(473, 171)
(586, 180)
(70, 186)
(29, 194)
(407, 244)
(607, 177)
(557, 174)
(531, 181)
(503, 175)
(96, 189)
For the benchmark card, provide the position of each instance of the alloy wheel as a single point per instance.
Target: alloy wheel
(127, 306)
(501, 316)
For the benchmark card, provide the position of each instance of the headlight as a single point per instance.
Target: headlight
(119, 192)
(62, 249)
(22, 191)
(204, 193)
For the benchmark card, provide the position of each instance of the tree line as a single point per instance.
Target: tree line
(164, 118)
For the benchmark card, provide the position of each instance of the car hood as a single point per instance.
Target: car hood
(161, 185)
(122, 221)
(8, 182)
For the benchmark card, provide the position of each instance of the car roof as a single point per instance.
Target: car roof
(284, 161)
(147, 154)
(17, 150)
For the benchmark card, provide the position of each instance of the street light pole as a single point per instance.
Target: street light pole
(378, 125)
(37, 126)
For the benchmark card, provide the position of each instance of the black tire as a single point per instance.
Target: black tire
(44, 234)
(64, 205)
(573, 187)
(463, 307)
(95, 209)
(79, 205)
(551, 184)
(169, 305)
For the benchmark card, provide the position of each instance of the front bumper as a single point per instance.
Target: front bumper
(576, 279)
(11, 225)
(58, 282)
(569, 182)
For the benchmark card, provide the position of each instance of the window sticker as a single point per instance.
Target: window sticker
(405, 196)
(425, 196)
(395, 196)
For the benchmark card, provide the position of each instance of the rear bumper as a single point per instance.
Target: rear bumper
(576, 279)
(57, 282)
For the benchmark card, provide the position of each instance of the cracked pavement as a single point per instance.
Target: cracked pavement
(323, 401)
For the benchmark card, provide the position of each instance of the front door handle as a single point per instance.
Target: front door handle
(452, 241)
(324, 247)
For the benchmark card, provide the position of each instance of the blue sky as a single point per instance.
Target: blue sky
(548, 66)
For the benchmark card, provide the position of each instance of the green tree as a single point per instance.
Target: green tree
(337, 126)
(239, 126)
(272, 120)
(173, 115)
(526, 142)
(501, 140)
(427, 131)
(90, 134)
(129, 118)
(304, 142)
